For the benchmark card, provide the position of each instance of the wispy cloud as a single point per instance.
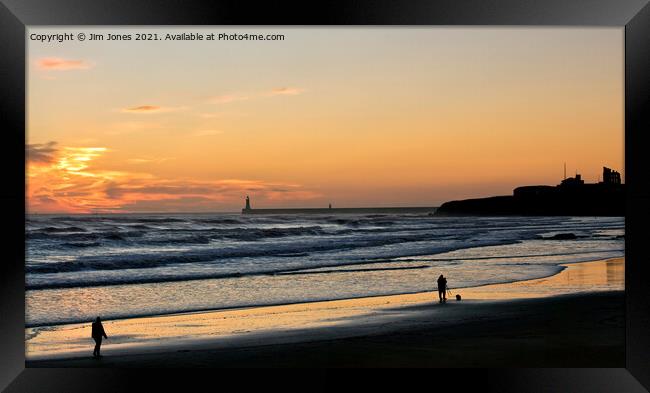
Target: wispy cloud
(76, 159)
(59, 64)
(290, 91)
(143, 109)
(41, 152)
(148, 109)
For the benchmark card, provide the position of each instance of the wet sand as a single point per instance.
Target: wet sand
(573, 318)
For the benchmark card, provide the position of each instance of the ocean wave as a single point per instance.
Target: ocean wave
(81, 244)
(219, 221)
(140, 226)
(334, 271)
(86, 236)
(513, 256)
(332, 268)
(148, 261)
(127, 280)
(205, 236)
(259, 233)
(192, 239)
(196, 277)
(259, 244)
(356, 222)
(105, 219)
(180, 235)
(159, 220)
(58, 229)
(268, 249)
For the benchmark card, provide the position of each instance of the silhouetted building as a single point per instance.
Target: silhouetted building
(610, 176)
(572, 197)
(573, 181)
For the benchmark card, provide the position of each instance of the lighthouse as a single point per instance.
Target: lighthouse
(248, 203)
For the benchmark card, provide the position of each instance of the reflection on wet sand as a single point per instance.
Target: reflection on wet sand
(608, 275)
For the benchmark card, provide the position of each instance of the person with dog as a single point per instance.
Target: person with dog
(442, 288)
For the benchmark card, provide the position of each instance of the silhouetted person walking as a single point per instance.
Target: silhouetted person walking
(442, 288)
(97, 334)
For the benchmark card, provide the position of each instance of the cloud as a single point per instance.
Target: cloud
(76, 159)
(163, 188)
(151, 109)
(290, 195)
(143, 109)
(290, 91)
(155, 194)
(173, 204)
(58, 64)
(41, 152)
(72, 181)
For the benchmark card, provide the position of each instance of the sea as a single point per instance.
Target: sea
(79, 267)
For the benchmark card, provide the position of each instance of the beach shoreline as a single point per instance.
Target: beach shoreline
(590, 289)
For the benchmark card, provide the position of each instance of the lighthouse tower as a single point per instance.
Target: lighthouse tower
(248, 203)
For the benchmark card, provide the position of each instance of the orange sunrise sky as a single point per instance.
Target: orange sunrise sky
(380, 116)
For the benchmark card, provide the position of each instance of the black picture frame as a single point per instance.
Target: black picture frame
(633, 15)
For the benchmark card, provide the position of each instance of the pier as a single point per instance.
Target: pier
(341, 210)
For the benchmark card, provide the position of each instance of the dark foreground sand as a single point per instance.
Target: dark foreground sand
(579, 330)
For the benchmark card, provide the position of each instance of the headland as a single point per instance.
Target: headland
(572, 197)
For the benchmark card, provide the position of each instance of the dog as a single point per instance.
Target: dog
(457, 297)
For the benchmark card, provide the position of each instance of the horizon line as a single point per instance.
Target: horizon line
(222, 212)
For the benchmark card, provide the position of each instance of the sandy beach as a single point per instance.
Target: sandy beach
(573, 318)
